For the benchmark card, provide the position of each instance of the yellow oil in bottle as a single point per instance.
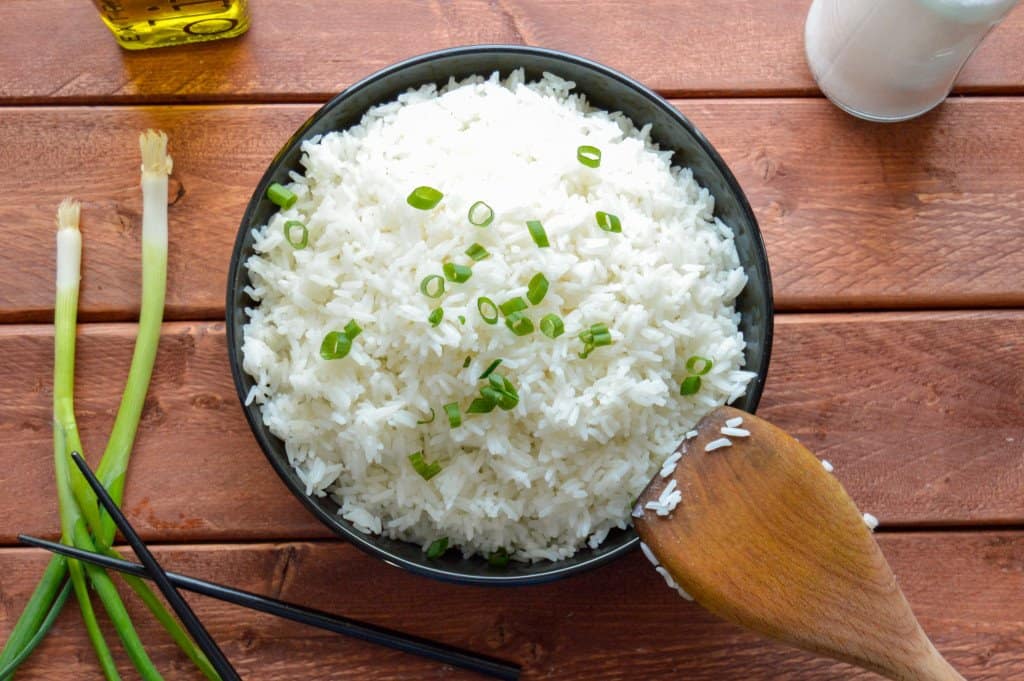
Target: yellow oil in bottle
(141, 24)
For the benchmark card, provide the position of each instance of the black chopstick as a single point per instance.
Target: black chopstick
(407, 643)
(181, 608)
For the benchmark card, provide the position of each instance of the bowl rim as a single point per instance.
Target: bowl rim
(257, 428)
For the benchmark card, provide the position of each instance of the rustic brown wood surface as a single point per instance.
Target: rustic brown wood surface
(920, 408)
(679, 47)
(854, 215)
(616, 623)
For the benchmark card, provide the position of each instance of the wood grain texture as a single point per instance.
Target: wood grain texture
(662, 43)
(616, 623)
(765, 538)
(854, 215)
(922, 414)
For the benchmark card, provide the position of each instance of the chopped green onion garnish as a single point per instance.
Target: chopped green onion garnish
(424, 198)
(432, 286)
(477, 252)
(481, 405)
(599, 339)
(426, 470)
(551, 326)
(430, 420)
(588, 155)
(488, 310)
(499, 558)
(600, 327)
(297, 242)
(690, 385)
(497, 380)
(335, 345)
(465, 362)
(519, 323)
(352, 330)
(437, 548)
(454, 415)
(435, 316)
(608, 222)
(462, 319)
(457, 273)
(281, 195)
(513, 305)
(490, 368)
(537, 289)
(540, 237)
(706, 364)
(480, 214)
(594, 337)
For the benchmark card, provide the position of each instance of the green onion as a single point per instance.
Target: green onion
(608, 222)
(588, 155)
(537, 289)
(551, 326)
(420, 465)
(513, 305)
(335, 345)
(480, 214)
(490, 368)
(690, 385)
(454, 415)
(303, 239)
(437, 548)
(426, 421)
(352, 330)
(594, 337)
(497, 380)
(432, 286)
(488, 310)
(500, 391)
(457, 273)
(424, 198)
(477, 252)
(540, 237)
(706, 364)
(498, 558)
(481, 405)
(462, 319)
(465, 362)
(435, 316)
(519, 324)
(600, 339)
(281, 196)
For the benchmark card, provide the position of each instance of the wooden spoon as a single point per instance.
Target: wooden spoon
(766, 538)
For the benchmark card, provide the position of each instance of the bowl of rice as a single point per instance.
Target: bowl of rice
(478, 299)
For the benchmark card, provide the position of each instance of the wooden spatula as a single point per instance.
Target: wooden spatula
(766, 538)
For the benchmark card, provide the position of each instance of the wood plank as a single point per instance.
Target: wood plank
(674, 46)
(855, 215)
(922, 415)
(615, 623)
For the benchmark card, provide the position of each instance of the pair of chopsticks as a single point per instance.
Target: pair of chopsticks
(169, 582)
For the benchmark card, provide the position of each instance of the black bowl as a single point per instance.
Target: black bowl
(606, 89)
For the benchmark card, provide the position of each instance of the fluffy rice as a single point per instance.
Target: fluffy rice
(559, 471)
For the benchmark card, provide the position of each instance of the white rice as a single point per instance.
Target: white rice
(669, 467)
(827, 465)
(556, 472)
(871, 521)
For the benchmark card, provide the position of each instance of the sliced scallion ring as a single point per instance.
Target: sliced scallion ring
(437, 548)
(537, 289)
(704, 362)
(424, 198)
(281, 196)
(454, 414)
(551, 325)
(488, 310)
(480, 214)
(352, 329)
(432, 286)
(297, 241)
(540, 237)
(457, 273)
(513, 305)
(608, 222)
(426, 421)
(519, 324)
(498, 558)
(435, 316)
(477, 252)
(335, 345)
(490, 369)
(420, 465)
(481, 405)
(690, 385)
(588, 155)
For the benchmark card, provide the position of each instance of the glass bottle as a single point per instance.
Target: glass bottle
(141, 24)
(890, 60)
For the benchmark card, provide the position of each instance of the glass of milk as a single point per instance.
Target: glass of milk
(890, 60)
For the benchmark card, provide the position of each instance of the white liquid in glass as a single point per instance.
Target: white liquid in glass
(889, 60)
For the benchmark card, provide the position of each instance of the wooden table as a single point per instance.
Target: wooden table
(897, 253)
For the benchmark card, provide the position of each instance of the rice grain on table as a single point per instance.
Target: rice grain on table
(553, 474)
